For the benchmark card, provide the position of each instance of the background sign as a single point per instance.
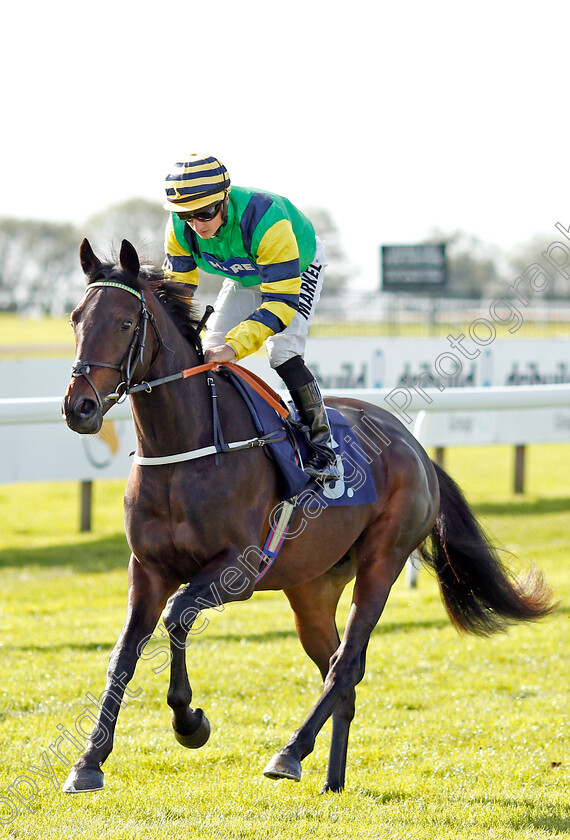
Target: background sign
(413, 268)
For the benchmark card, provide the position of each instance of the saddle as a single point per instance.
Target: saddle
(288, 444)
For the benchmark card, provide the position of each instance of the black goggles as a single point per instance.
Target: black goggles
(203, 214)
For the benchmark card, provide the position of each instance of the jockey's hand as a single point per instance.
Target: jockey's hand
(222, 353)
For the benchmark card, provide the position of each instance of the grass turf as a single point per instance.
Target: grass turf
(455, 737)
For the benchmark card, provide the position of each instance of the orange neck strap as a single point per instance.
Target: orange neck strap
(254, 381)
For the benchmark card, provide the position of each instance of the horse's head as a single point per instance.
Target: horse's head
(110, 325)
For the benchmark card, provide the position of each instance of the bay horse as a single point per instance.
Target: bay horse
(189, 523)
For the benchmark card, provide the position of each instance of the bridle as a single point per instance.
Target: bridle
(134, 354)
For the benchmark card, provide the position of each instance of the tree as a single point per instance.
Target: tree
(339, 270)
(140, 221)
(143, 223)
(39, 263)
(548, 283)
(39, 266)
(472, 267)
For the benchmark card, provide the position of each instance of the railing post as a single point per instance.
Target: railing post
(520, 453)
(86, 505)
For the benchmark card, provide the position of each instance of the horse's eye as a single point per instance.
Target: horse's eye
(127, 324)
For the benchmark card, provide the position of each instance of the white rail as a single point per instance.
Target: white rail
(493, 398)
(396, 400)
(409, 403)
(43, 410)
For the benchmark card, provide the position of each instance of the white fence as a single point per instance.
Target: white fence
(36, 444)
(403, 402)
(21, 416)
(497, 398)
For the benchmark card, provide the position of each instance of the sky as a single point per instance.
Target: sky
(398, 118)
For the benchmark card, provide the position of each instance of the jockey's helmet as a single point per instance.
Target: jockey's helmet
(196, 182)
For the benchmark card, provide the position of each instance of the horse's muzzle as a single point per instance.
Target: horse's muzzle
(82, 414)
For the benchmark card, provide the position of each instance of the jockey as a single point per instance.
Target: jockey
(273, 267)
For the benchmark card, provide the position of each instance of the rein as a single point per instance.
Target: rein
(82, 368)
(262, 388)
(135, 354)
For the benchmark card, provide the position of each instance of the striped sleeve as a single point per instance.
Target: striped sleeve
(277, 261)
(178, 264)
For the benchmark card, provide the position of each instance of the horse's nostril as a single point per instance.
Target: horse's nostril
(86, 408)
(82, 415)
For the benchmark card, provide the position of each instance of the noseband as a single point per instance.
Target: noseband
(135, 351)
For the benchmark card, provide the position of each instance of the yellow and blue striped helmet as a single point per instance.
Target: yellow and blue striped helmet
(196, 183)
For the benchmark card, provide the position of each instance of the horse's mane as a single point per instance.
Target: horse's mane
(175, 298)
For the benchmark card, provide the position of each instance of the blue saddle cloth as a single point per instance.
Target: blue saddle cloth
(355, 487)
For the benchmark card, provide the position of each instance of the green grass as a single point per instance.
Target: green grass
(22, 336)
(336, 329)
(455, 737)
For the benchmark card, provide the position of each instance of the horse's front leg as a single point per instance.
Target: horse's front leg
(147, 595)
(221, 582)
(191, 726)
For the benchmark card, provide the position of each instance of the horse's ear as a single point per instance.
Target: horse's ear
(129, 258)
(89, 261)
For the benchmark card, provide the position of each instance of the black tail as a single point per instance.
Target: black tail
(479, 594)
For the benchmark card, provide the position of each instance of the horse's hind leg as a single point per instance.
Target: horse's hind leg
(382, 553)
(314, 605)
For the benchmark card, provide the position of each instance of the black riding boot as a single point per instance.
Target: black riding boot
(321, 464)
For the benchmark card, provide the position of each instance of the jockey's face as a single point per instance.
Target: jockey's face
(206, 230)
(206, 221)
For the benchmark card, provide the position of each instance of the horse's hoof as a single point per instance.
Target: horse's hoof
(83, 780)
(283, 767)
(198, 737)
